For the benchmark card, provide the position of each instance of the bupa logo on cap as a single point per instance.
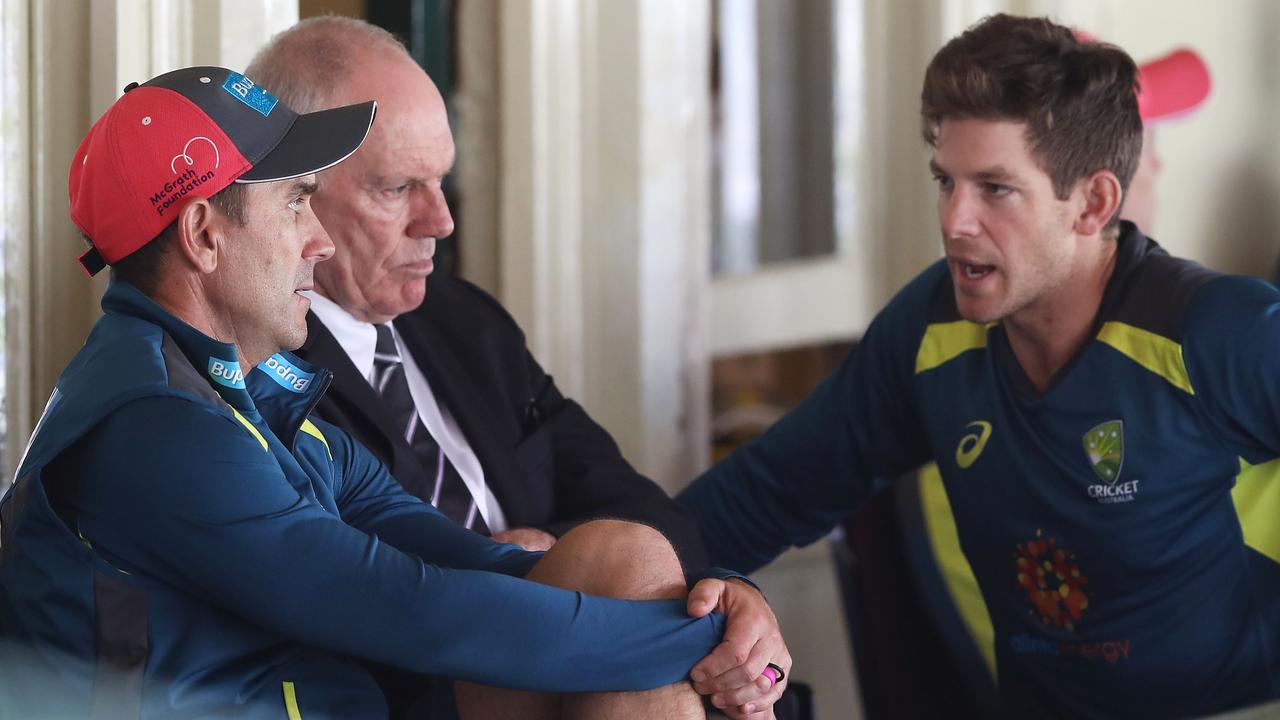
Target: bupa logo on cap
(249, 93)
(288, 375)
(226, 372)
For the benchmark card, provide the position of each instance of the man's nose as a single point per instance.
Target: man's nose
(431, 216)
(956, 213)
(318, 244)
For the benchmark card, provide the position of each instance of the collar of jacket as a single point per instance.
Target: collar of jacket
(280, 391)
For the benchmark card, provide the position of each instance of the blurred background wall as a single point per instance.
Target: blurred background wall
(693, 207)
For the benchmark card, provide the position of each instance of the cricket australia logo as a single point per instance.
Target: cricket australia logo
(1104, 446)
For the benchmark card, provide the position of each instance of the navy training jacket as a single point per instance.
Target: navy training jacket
(182, 541)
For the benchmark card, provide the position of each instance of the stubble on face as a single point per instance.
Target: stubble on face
(1005, 233)
(263, 267)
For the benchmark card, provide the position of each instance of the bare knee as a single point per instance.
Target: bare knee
(613, 558)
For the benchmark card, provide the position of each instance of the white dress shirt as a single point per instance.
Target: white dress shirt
(358, 338)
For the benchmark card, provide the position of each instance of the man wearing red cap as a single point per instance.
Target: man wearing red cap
(1089, 403)
(183, 540)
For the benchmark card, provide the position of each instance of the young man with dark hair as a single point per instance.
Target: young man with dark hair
(1088, 399)
(183, 539)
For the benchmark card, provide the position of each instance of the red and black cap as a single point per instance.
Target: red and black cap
(1168, 86)
(1172, 85)
(190, 133)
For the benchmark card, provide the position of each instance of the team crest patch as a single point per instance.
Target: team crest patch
(1104, 445)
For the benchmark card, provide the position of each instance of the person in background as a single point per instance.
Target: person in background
(430, 372)
(1169, 87)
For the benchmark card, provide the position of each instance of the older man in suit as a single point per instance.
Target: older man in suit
(433, 374)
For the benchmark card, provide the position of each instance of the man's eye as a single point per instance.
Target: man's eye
(298, 203)
(943, 182)
(397, 191)
(998, 190)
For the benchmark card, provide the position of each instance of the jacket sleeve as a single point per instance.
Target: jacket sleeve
(172, 491)
(370, 499)
(810, 470)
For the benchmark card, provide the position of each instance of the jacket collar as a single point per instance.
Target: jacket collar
(217, 361)
(280, 391)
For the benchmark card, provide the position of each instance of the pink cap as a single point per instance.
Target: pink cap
(1172, 85)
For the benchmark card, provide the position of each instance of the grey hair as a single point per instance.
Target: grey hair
(307, 65)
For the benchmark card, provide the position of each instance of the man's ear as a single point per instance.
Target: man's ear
(1102, 198)
(200, 234)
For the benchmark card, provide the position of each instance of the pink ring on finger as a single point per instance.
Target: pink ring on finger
(774, 673)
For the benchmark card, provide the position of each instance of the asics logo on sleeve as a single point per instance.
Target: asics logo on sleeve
(971, 445)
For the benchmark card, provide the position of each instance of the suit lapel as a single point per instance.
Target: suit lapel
(323, 349)
(477, 412)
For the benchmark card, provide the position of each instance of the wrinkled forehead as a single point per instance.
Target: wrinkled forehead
(412, 129)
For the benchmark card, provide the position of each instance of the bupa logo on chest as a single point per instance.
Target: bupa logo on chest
(288, 375)
(1104, 446)
(226, 372)
(249, 93)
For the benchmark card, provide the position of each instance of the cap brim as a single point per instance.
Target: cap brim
(316, 141)
(1172, 85)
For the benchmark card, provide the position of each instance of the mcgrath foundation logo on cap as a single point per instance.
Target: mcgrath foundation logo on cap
(226, 372)
(187, 178)
(186, 157)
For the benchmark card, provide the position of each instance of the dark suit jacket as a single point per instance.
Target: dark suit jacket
(548, 463)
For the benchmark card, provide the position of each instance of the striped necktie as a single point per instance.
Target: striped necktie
(442, 486)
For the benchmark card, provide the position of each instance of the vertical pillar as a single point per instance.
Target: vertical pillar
(604, 212)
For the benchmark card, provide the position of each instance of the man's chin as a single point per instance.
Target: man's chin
(408, 296)
(295, 338)
(978, 311)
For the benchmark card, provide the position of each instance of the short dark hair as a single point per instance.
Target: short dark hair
(142, 267)
(1078, 98)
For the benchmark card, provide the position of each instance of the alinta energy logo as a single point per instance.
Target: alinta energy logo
(1104, 446)
(1052, 581)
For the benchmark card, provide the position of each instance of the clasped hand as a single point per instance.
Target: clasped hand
(733, 673)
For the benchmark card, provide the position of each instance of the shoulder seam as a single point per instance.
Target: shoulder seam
(1152, 351)
(943, 342)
